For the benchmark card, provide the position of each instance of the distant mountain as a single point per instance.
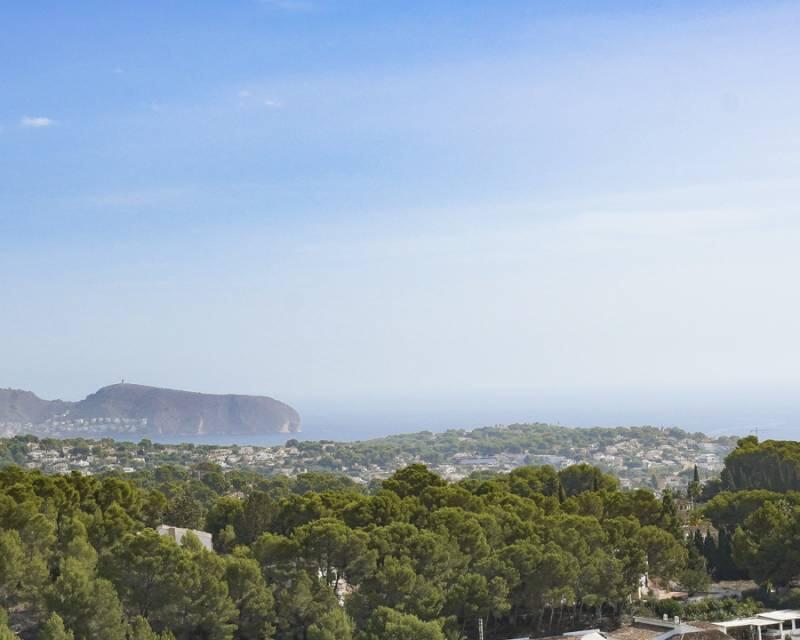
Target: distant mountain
(25, 406)
(143, 410)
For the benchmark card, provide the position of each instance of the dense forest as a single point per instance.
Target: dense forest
(317, 557)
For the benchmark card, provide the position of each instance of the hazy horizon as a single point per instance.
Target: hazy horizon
(410, 214)
(717, 413)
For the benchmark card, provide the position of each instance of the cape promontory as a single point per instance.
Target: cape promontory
(147, 411)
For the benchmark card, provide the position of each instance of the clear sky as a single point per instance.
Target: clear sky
(376, 202)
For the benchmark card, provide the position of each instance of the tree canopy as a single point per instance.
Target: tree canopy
(315, 558)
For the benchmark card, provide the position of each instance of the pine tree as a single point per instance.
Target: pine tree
(88, 604)
(139, 629)
(669, 514)
(698, 541)
(252, 597)
(5, 632)
(711, 553)
(12, 565)
(334, 625)
(726, 567)
(54, 629)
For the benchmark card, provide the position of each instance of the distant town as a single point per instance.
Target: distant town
(639, 456)
(65, 425)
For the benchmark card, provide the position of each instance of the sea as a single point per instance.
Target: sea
(769, 419)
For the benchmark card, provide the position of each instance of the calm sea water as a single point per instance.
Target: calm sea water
(362, 424)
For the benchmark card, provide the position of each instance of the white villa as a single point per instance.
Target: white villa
(177, 534)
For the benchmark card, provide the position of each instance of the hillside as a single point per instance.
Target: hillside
(143, 410)
(25, 406)
(639, 456)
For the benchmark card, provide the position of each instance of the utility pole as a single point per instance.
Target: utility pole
(480, 628)
(759, 430)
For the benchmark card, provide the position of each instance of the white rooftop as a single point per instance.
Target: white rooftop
(744, 622)
(680, 630)
(781, 616)
(592, 635)
(178, 533)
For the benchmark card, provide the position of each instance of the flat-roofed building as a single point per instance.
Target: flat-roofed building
(788, 621)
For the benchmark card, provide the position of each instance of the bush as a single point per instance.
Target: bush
(705, 610)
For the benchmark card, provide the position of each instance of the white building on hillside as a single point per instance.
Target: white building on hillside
(177, 534)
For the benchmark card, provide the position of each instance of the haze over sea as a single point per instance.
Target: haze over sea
(714, 415)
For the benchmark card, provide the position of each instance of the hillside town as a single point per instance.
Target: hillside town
(64, 425)
(647, 457)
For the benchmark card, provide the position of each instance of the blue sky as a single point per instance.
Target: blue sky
(379, 202)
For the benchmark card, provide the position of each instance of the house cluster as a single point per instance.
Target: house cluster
(230, 457)
(55, 457)
(666, 463)
(59, 425)
(665, 466)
